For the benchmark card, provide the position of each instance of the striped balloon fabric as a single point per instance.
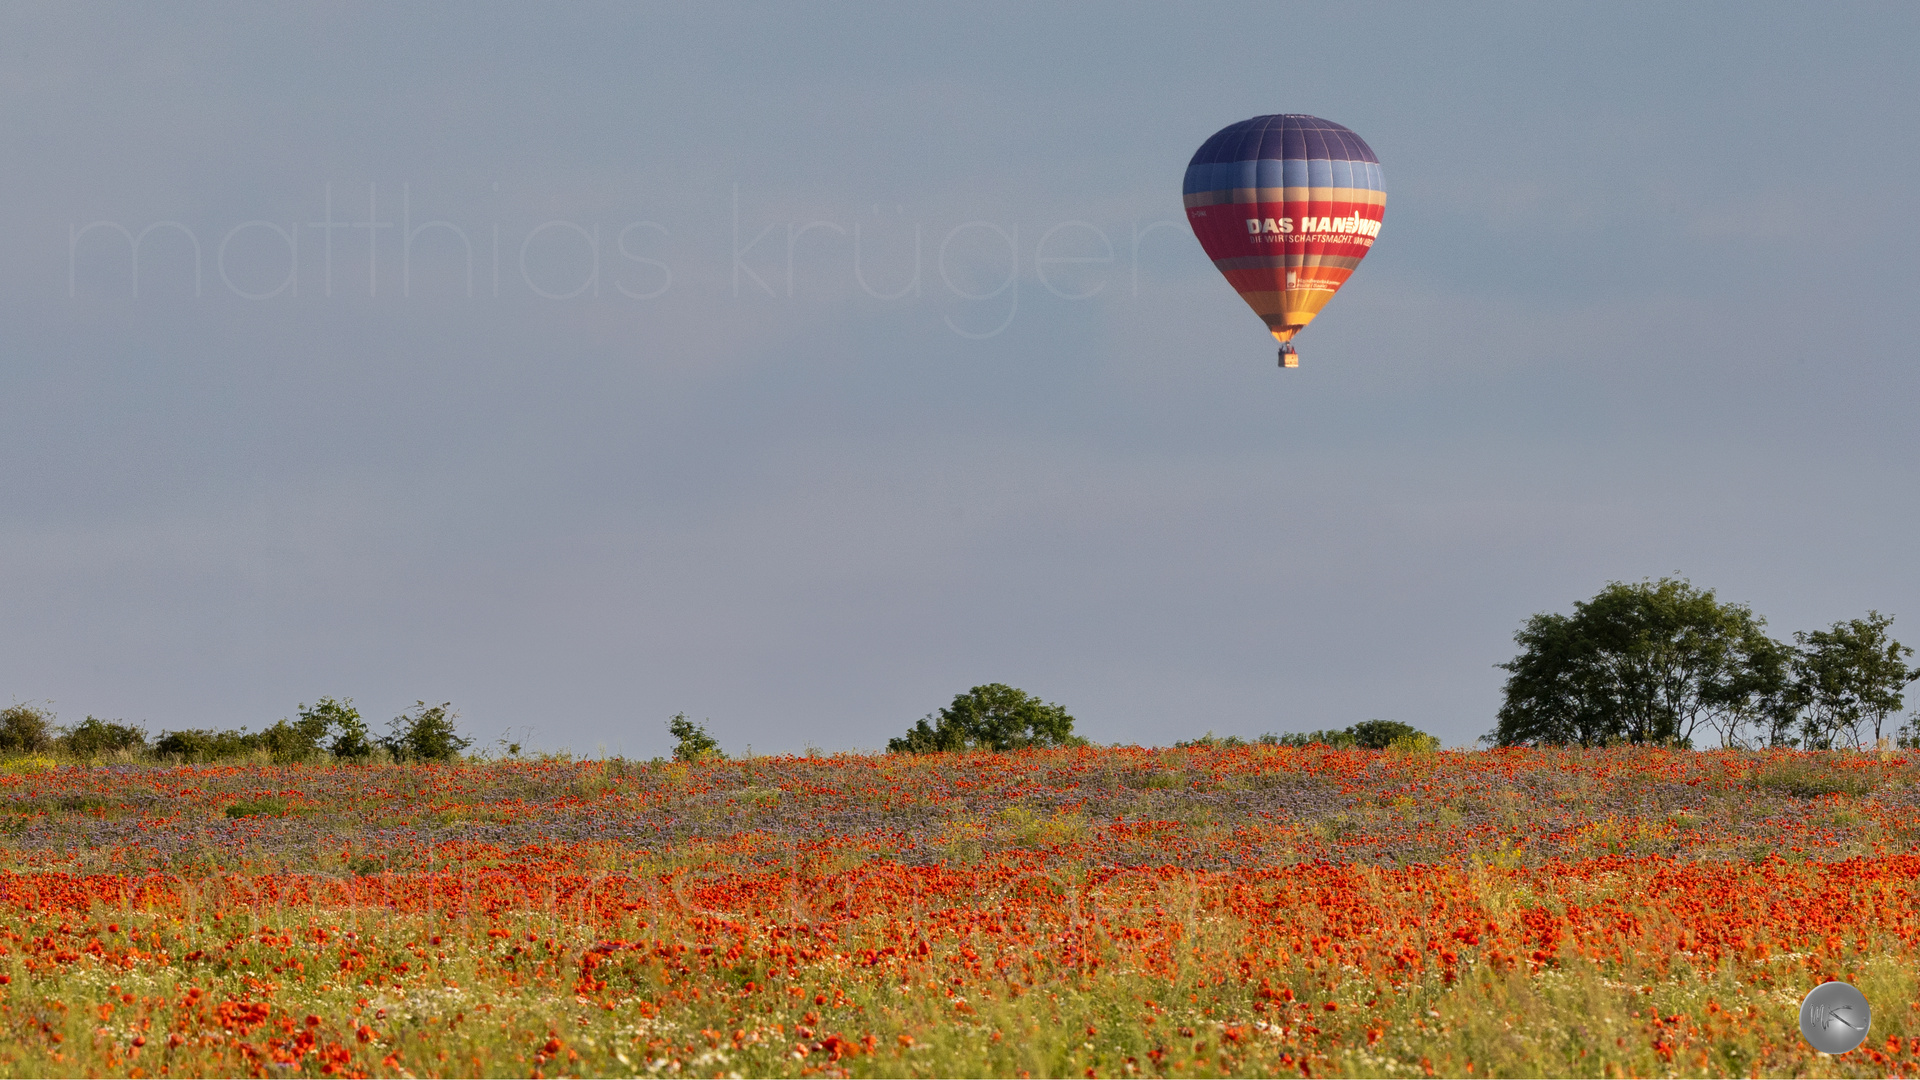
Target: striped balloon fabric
(1286, 206)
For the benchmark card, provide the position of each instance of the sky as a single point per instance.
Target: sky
(800, 368)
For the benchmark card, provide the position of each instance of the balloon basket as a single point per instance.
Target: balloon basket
(1288, 357)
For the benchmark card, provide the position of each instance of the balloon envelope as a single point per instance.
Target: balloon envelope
(1286, 206)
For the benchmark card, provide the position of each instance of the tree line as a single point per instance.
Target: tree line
(329, 729)
(997, 718)
(1365, 735)
(1665, 663)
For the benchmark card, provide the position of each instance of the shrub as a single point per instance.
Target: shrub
(425, 733)
(1225, 742)
(94, 737)
(1384, 734)
(692, 743)
(25, 729)
(1365, 735)
(1339, 739)
(201, 744)
(287, 742)
(993, 717)
(303, 739)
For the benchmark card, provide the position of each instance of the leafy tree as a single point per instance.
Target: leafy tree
(993, 717)
(1555, 694)
(350, 738)
(25, 729)
(425, 733)
(93, 737)
(1848, 677)
(691, 741)
(1645, 663)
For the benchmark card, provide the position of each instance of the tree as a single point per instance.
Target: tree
(691, 741)
(1846, 677)
(25, 729)
(425, 733)
(1645, 663)
(993, 717)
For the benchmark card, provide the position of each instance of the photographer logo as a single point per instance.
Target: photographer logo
(1834, 1017)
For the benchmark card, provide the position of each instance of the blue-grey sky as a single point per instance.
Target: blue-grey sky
(668, 413)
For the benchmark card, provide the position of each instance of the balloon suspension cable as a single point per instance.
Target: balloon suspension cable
(1289, 357)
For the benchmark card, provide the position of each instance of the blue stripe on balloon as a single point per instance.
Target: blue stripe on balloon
(1270, 173)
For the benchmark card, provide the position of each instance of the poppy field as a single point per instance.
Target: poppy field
(1247, 910)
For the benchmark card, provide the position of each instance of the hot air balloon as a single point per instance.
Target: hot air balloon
(1286, 206)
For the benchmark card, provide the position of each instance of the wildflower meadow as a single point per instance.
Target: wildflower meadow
(1200, 911)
